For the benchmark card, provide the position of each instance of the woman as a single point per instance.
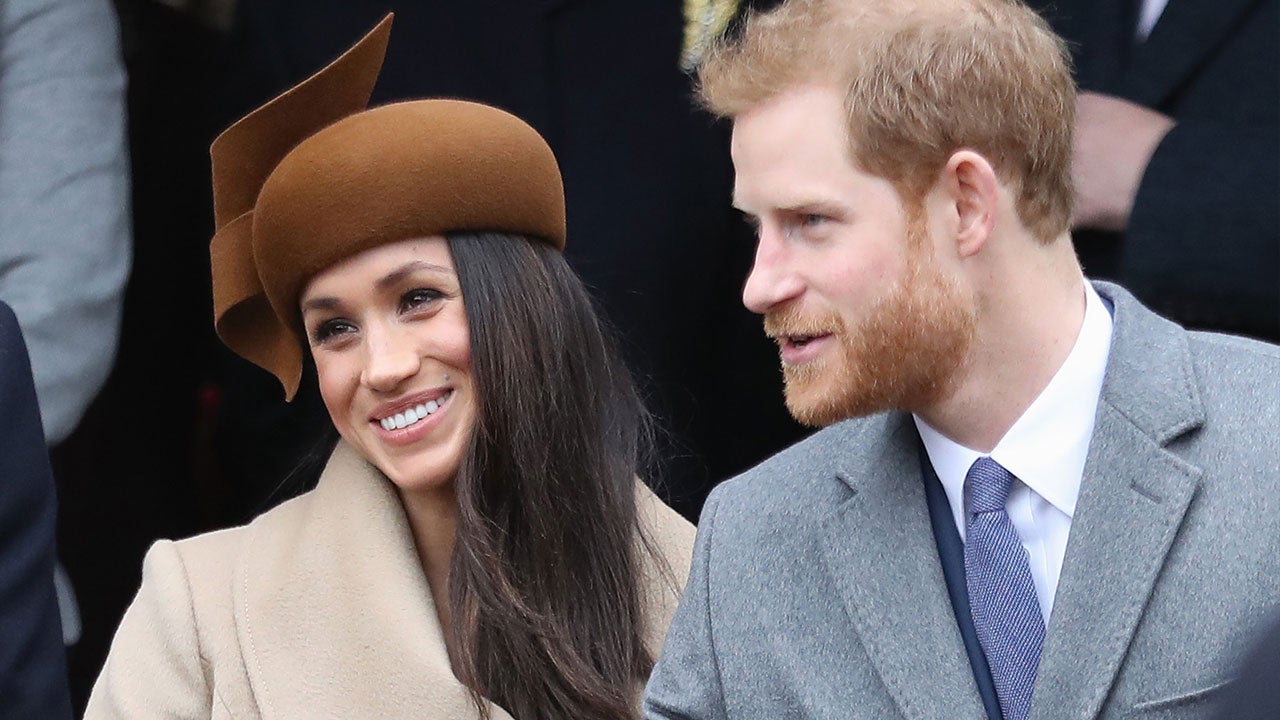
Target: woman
(478, 545)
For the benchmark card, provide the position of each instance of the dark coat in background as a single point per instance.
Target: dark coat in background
(33, 671)
(1255, 695)
(648, 182)
(1203, 243)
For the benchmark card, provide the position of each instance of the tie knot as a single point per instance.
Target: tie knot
(988, 483)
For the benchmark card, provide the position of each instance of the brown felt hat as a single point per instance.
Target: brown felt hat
(312, 178)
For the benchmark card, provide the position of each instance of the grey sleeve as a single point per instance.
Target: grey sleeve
(685, 684)
(64, 195)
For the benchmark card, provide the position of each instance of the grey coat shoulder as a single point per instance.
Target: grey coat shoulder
(793, 483)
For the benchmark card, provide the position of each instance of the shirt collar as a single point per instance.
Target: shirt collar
(1047, 446)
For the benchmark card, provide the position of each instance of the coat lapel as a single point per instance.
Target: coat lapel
(1185, 34)
(880, 550)
(1133, 498)
(334, 613)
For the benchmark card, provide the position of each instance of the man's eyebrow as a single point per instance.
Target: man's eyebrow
(799, 206)
(811, 207)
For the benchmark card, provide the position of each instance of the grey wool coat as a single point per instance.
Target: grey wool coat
(817, 591)
(317, 609)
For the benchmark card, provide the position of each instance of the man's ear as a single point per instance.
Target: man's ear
(968, 181)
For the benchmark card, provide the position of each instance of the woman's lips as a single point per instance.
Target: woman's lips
(411, 423)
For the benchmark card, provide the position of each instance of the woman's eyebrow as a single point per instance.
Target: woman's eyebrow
(386, 281)
(320, 303)
(400, 273)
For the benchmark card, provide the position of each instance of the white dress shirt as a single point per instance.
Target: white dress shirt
(1045, 449)
(1147, 16)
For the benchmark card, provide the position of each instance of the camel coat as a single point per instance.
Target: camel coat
(317, 609)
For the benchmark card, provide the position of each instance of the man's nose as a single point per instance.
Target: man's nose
(392, 358)
(772, 280)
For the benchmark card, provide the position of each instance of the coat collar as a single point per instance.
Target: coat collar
(879, 548)
(333, 609)
(1134, 496)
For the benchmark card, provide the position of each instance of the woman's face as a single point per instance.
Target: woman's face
(388, 331)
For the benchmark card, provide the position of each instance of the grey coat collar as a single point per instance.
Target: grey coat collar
(1134, 496)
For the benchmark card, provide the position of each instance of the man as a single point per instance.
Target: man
(33, 675)
(1054, 504)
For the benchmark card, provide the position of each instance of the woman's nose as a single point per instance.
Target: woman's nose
(392, 359)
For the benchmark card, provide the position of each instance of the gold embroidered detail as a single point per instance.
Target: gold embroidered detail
(704, 22)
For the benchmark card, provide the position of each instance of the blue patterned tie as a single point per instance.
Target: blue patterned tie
(1002, 595)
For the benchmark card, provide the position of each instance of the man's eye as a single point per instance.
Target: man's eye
(418, 297)
(812, 219)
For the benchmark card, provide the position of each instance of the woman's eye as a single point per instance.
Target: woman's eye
(418, 297)
(812, 219)
(331, 330)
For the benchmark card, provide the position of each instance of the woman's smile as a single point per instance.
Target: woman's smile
(409, 420)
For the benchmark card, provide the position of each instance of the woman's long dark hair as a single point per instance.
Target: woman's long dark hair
(545, 581)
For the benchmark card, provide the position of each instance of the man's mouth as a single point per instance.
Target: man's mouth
(800, 348)
(413, 415)
(798, 341)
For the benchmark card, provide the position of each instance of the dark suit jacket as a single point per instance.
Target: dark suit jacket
(817, 590)
(33, 675)
(1203, 243)
(1256, 694)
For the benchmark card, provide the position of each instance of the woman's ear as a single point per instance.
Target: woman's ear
(968, 182)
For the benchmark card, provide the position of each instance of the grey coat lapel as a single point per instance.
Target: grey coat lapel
(1133, 498)
(880, 550)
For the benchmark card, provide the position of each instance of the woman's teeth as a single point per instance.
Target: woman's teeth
(413, 415)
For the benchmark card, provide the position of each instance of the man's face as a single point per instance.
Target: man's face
(866, 319)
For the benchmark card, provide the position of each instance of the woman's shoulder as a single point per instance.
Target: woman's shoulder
(214, 554)
(177, 648)
(667, 530)
(666, 549)
(345, 477)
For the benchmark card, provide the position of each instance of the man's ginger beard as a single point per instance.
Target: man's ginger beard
(903, 354)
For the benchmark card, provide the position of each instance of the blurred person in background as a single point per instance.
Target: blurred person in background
(65, 231)
(64, 195)
(33, 675)
(1175, 158)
